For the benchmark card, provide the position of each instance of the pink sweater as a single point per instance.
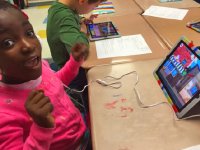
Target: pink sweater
(18, 131)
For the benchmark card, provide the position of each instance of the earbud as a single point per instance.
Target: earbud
(104, 83)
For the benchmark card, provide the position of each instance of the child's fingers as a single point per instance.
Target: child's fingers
(95, 16)
(31, 95)
(38, 96)
(76, 47)
(79, 47)
(92, 17)
(85, 53)
(39, 108)
(88, 21)
(43, 102)
(83, 47)
(48, 107)
(51, 118)
(80, 51)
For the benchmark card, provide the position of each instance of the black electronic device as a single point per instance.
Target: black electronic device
(103, 30)
(179, 78)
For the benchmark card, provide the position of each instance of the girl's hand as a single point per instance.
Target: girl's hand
(80, 52)
(39, 108)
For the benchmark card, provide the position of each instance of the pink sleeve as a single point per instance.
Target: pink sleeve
(69, 71)
(12, 135)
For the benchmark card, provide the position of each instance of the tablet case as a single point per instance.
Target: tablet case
(192, 108)
(198, 1)
(194, 25)
(162, 1)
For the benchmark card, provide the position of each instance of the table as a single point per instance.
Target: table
(171, 30)
(129, 24)
(117, 121)
(122, 8)
(144, 4)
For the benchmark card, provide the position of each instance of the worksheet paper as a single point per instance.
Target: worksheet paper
(123, 46)
(166, 12)
(196, 147)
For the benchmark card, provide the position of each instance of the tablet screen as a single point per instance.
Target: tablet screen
(103, 29)
(180, 75)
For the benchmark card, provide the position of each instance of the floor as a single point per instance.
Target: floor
(38, 18)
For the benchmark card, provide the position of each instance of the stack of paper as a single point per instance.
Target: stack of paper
(104, 8)
(123, 46)
(166, 12)
(196, 147)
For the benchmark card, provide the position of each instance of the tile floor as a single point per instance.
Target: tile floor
(38, 17)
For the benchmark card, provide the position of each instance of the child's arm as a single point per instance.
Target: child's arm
(79, 53)
(70, 33)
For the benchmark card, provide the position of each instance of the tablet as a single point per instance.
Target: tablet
(162, 1)
(103, 30)
(179, 78)
(194, 25)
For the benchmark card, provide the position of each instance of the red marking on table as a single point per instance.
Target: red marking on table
(111, 105)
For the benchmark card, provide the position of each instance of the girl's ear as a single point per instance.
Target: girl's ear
(82, 1)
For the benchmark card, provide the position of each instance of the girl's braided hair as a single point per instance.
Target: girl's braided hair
(5, 5)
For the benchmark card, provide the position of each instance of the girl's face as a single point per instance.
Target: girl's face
(20, 50)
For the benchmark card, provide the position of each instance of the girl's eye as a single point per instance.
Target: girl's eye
(30, 33)
(8, 43)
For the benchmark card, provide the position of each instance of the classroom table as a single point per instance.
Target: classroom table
(144, 4)
(129, 24)
(117, 121)
(121, 7)
(171, 30)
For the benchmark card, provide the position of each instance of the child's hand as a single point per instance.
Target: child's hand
(80, 52)
(39, 108)
(90, 19)
(85, 21)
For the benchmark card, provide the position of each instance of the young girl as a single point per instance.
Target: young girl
(35, 112)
